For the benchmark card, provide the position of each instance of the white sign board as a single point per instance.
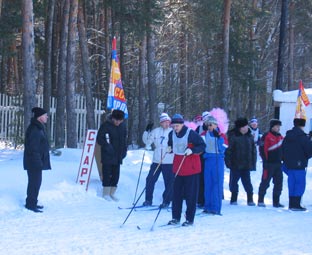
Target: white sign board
(87, 157)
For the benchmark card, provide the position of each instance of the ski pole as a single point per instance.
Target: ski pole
(142, 192)
(136, 190)
(179, 168)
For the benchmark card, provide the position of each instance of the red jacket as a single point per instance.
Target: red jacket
(272, 147)
(191, 164)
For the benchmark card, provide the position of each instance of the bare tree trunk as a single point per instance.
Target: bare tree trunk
(151, 76)
(28, 43)
(107, 43)
(86, 70)
(281, 52)
(142, 99)
(252, 99)
(70, 76)
(61, 84)
(1, 59)
(282, 46)
(291, 47)
(225, 86)
(47, 89)
(182, 70)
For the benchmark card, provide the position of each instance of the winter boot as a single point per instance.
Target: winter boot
(147, 203)
(291, 203)
(234, 198)
(106, 193)
(261, 200)
(296, 205)
(112, 194)
(187, 224)
(174, 222)
(250, 201)
(276, 202)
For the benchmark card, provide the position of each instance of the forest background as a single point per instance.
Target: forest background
(175, 56)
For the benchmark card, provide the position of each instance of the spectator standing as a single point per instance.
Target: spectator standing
(253, 125)
(112, 137)
(240, 158)
(36, 157)
(296, 151)
(270, 148)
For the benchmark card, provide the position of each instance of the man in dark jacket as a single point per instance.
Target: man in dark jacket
(241, 158)
(270, 147)
(296, 151)
(36, 157)
(112, 139)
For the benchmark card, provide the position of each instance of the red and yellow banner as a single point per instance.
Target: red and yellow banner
(302, 101)
(116, 96)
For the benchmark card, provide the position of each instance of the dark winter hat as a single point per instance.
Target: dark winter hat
(177, 119)
(118, 115)
(274, 122)
(241, 122)
(38, 112)
(299, 122)
(198, 118)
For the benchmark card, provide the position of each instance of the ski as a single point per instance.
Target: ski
(168, 209)
(202, 214)
(136, 207)
(169, 226)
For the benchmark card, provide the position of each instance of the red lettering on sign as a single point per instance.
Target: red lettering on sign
(84, 171)
(86, 161)
(89, 147)
(91, 136)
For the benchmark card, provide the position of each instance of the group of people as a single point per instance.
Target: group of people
(191, 161)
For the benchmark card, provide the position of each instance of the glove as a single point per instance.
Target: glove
(149, 127)
(169, 149)
(216, 133)
(188, 152)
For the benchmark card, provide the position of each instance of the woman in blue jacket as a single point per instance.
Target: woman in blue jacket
(214, 167)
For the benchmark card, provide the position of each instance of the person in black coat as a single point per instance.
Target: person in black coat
(36, 156)
(296, 151)
(112, 137)
(241, 158)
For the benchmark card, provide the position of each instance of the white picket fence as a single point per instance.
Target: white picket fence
(12, 118)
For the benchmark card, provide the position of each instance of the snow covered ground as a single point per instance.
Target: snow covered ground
(79, 222)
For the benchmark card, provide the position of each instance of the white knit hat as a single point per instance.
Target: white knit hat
(164, 117)
(205, 115)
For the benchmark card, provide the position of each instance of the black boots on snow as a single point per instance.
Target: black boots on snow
(250, 201)
(234, 198)
(294, 204)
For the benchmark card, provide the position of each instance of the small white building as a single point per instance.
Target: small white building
(287, 103)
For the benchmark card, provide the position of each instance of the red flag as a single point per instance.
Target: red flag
(303, 95)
